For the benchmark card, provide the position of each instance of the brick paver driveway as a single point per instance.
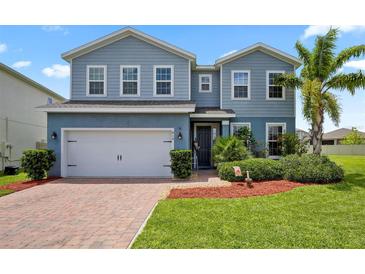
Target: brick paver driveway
(77, 213)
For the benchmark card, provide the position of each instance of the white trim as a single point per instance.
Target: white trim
(265, 48)
(206, 67)
(209, 115)
(210, 83)
(121, 34)
(138, 80)
(221, 85)
(283, 124)
(64, 151)
(247, 124)
(189, 76)
(171, 81)
(248, 85)
(120, 110)
(70, 80)
(267, 86)
(88, 82)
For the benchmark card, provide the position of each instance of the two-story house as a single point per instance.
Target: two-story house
(133, 98)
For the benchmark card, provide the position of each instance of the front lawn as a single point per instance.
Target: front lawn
(318, 216)
(9, 179)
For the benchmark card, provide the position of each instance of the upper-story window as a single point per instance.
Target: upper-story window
(130, 84)
(163, 80)
(274, 92)
(49, 101)
(205, 83)
(96, 80)
(240, 85)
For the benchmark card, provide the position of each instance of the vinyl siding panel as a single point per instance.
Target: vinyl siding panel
(258, 63)
(130, 51)
(205, 99)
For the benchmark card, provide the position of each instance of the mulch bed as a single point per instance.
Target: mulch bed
(236, 190)
(18, 186)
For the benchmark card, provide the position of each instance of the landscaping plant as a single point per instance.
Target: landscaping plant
(291, 144)
(353, 138)
(227, 149)
(37, 162)
(181, 163)
(246, 136)
(321, 73)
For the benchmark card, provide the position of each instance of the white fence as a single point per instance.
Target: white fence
(341, 149)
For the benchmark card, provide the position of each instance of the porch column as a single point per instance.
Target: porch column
(225, 128)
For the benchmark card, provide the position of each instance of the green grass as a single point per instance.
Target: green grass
(9, 179)
(320, 216)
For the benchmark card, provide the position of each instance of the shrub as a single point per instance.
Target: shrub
(260, 169)
(246, 136)
(291, 144)
(181, 163)
(311, 168)
(37, 162)
(228, 149)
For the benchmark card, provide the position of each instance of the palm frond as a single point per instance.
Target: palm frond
(303, 53)
(349, 81)
(288, 80)
(323, 54)
(332, 107)
(312, 99)
(346, 54)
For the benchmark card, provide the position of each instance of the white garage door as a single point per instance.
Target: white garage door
(116, 153)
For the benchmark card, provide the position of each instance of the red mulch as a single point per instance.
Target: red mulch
(18, 186)
(236, 190)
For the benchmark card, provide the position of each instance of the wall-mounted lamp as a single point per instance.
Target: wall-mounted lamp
(179, 136)
(54, 135)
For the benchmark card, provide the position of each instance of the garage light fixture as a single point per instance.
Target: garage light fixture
(54, 135)
(179, 136)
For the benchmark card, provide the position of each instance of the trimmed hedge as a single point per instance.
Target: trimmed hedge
(181, 163)
(260, 169)
(37, 162)
(311, 168)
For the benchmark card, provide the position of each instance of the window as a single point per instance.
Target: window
(163, 80)
(96, 80)
(235, 127)
(274, 92)
(240, 85)
(130, 80)
(205, 83)
(274, 131)
(49, 101)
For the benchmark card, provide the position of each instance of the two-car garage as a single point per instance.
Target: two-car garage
(116, 152)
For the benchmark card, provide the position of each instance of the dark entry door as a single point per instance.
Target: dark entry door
(203, 134)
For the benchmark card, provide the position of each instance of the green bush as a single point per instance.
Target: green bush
(228, 149)
(181, 163)
(311, 168)
(37, 162)
(260, 169)
(291, 144)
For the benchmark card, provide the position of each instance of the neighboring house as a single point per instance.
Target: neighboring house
(335, 137)
(133, 98)
(22, 126)
(302, 134)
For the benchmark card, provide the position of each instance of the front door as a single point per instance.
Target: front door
(203, 136)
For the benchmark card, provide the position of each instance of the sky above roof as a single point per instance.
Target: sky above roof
(36, 52)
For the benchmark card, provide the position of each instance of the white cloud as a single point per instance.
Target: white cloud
(322, 29)
(3, 47)
(228, 53)
(359, 64)
(57, 71)
(55, 28)
(22, 64)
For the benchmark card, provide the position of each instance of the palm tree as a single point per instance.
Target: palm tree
(321, 73)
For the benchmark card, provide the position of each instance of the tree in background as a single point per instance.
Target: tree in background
(353, 138)
(321, 73)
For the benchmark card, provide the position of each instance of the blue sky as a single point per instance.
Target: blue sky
(35, 51)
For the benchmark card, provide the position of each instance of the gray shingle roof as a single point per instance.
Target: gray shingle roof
(339, 134)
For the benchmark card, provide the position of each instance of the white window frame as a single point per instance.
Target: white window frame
(267, 85)
(283, 124)
(248, 124)
(88, 80)
(200, 83)
(155, 67)
(248, 84)
(138, 80)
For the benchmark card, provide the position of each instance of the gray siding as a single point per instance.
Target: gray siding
(206, 99)
(130, 51)
(258, 63)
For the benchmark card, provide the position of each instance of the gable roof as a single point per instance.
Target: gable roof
(29, 81)
(261, 47)
(339, 134)
(123, 33)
